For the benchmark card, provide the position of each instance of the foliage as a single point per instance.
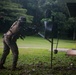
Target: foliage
(12, 11)
(71, 24)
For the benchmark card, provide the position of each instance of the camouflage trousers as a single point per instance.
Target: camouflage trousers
(9, 44)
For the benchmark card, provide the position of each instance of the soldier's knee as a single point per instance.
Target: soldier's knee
(6, 52)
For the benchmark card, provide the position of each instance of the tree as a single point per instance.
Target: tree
(71, 24)
(58, 8)
(12, 11)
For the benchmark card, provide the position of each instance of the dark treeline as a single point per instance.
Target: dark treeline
(35, 12)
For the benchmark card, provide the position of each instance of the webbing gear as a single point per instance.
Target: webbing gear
(11, 31)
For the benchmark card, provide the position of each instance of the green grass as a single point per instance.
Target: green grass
(35, 58)
(37, 62)
(28, 60)
(39, 42)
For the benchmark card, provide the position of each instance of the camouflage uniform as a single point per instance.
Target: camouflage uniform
(9, 41)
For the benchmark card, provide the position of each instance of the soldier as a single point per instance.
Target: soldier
(9, 41)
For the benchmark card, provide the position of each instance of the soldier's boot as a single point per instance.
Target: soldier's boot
(1, 66)
(2, 61)
(15, 62)
(14, 67)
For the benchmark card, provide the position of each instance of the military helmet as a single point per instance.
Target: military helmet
(22, 18)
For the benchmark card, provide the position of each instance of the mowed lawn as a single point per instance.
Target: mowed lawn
(35, 58)
(39, 42)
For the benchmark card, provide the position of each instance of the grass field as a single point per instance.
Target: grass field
(35, 57)
(37, 62)
(39, 42)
